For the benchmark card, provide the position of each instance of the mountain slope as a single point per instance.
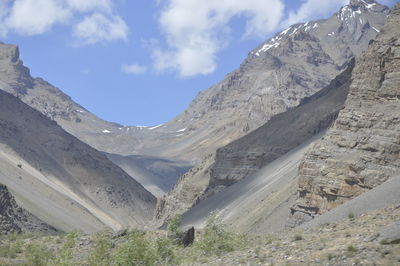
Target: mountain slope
(276, 76)
(362, 149)
(49, 169)
(245, 156)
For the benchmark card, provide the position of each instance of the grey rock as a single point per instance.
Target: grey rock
(361, 150)
(390, 234)
(14, 219)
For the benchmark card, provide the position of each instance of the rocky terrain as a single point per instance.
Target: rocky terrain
(362, 240)
(247, 155)
(14, 219)
(361, 150)
(62, 180)
(276, 76)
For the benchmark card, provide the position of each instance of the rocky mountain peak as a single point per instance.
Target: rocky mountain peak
(9, 52)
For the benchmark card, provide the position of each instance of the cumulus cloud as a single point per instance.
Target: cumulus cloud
(93, 20)
(312, 9)
(134, 69)
(196, 30)
(97, 28)
(31, 17)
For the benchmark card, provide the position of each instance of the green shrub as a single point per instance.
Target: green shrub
(174, 231)
(351, 215)
(215, 240)
(10, 250)
(37, 255)
(351, 249)
(64, 256)
(165, 250)
(101, 254)
(137, 250)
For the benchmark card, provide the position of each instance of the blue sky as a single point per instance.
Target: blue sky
(141, 62)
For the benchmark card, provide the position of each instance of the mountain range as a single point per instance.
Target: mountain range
(309, 121)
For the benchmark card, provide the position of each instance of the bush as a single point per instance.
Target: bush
(101, 255)
(174, 231)
(65, 256)
(37, 255)
(215, 240)
(351, 249)
(137, 250)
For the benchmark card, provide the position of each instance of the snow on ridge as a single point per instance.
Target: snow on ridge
(151, 128)
(375, 29)
(181, 130)
(369, 6)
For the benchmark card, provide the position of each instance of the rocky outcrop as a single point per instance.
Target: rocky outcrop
(275, 76)
(14, 219)
(247, 155)
(362, 149)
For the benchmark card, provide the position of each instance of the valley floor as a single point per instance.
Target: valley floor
(356, 240)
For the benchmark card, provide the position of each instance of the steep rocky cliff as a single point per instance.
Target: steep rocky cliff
(14, 219)
(275, 76)
(362, 149)
(247, 155)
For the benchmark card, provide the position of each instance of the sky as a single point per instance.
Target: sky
(141, 62)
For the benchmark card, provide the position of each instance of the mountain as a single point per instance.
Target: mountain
(243, 158)
(362, 149)
(275, 76)
(62, 180)
(15, 78)
(294, 64)
(14, 219)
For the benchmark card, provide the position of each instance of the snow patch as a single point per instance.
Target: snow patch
(80, 111)
(151, 128)
(285, 31)
(179, 135)
(315, 26)
(181, 130)
(376, 29)
(106, 131)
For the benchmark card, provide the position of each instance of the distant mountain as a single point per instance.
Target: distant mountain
(62, 180)
(362, 149)
(294, 64)
(245, 157)
(275, 76)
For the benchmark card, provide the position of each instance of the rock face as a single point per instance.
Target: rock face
(276, 76)
(38, 156)
(247, 155)
(362, 149)
(14, 219)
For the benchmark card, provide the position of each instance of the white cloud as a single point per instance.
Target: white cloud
(90, 5)
(313, 9)
(196, 30)
(31, 17)
(93, 20)
(98, 28)
(134, 69)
